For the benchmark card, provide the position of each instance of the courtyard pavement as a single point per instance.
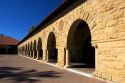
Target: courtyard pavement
(18, 69)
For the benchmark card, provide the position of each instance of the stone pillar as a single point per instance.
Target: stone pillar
(67, 56)
(33, 54)
(30, 53)
(37, 54)
(18, 53)
(44, 55)
(23, 53)
(47, 55)
(27, 53)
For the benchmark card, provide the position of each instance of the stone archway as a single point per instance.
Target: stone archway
(31, 50)
(39, 49)
(80, 50)
(34, 50)
(26, 50)
(51, 47)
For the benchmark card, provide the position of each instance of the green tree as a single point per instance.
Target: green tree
(31, 29)
(1, 34)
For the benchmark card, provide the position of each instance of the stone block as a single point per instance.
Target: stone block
(113, 35)
(116, 79)
(120, 4)
(122, 20)
(122, 35)
(118, 14)
(112, 23)
(109, 6)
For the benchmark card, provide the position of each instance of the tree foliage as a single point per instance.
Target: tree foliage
(1, 34)
(31, 29)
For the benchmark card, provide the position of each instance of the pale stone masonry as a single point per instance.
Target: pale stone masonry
(106, 22)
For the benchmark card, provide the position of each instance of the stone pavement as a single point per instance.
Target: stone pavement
(18, 69)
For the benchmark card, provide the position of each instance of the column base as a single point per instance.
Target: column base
(57, 64)
(37, 58)
(67, 66)
(46, 61)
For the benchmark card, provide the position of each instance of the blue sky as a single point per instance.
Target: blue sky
(17, 16)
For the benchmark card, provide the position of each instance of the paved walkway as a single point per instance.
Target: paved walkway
(17, 69)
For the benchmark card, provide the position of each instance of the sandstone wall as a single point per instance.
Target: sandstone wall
(106, 19)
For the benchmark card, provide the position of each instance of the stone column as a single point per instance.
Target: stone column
(67, 56)
(37, 54)
(30, 53)
(27, 53)
(33, 54)
(18, 53)
(47, 55)
(23, 53)
(44, 55)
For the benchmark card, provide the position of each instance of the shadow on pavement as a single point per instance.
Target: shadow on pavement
(19, 75)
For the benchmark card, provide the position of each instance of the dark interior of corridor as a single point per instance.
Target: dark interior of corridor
(51, 47)
(81, 52)
(39, 48)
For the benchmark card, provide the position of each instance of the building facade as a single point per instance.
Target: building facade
(8, 45)
(82, 31)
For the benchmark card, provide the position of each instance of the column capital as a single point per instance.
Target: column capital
(94, 45)
(60, 47)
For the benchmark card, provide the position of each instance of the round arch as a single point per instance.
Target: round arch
(34, 49)
(31, 49)
(28, 49)
(80, 50)
(39, 48)
(51, 47)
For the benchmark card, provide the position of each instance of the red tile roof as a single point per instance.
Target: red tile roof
(4, 40)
